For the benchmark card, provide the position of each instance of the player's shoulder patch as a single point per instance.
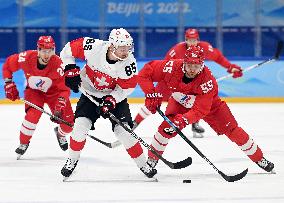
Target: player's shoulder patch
(56, 60)
(206, 46)
(177, 64)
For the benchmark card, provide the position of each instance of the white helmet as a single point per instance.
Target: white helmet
(120, 37)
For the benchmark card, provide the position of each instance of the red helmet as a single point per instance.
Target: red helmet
(45, 42)
(194, 55)
(191, 34)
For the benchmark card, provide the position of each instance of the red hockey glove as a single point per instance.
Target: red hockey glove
(236, 70)
(108, 104)
(59, 109)
(153, 101)
(11, 91)
(72, 77)
(180, 121)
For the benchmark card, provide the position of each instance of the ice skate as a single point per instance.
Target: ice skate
(266, 165)
(61, 140)
(68, 168)
(21, 150)
(148, 170)
(197, 130)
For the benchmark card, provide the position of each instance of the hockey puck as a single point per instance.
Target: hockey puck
(186, 181)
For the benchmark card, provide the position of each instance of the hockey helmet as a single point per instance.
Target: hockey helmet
(191, 34)
(194, 55)
(120, 37)
(45, 42)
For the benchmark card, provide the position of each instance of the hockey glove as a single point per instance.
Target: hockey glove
(59, 109)
(108, 104)
(72, 77)
(11, 90)
(153, 101)
(236, 70)
(180, 121)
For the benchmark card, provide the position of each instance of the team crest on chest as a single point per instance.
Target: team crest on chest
(39, 83)
(101, 81)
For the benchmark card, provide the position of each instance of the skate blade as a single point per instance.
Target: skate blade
(19, 156)
(116, 144)
(152, 180)
(66, 179)
(198, 135)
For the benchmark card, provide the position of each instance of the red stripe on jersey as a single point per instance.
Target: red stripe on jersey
(77, 48)
(127, 83)
(135, 151)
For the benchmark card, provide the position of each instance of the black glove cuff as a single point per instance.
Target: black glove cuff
(70, 67)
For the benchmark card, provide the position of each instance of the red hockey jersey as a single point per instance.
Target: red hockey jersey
(50, 80)
(200, 95)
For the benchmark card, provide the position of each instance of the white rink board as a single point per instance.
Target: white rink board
(109, 175)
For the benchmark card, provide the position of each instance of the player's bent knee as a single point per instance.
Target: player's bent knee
(67, 128)
(238, 135)
(33, 115)
(81, 128)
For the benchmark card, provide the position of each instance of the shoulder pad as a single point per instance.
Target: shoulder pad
(91, 43)
(206, 45)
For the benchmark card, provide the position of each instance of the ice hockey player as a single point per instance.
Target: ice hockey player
(108, 77)
(177, 52)
(45, 84)
(195, 97)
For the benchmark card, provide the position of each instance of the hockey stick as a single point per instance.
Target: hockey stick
(226, 177)
(109, 145)
(276, 57)
(178, 165)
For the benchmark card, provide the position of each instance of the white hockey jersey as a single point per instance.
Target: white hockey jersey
(99, 78)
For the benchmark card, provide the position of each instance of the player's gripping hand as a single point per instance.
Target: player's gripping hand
(236, 70)
(180, 121)
(72, 77)
(59, 109)
(108, 104)
(153, 101)
(11, 90)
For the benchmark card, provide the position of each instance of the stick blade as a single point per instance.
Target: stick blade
(183, 164)
(115, 144)
(235, 177)
(278, 49)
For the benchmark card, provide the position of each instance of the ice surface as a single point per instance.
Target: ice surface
(109, 175)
